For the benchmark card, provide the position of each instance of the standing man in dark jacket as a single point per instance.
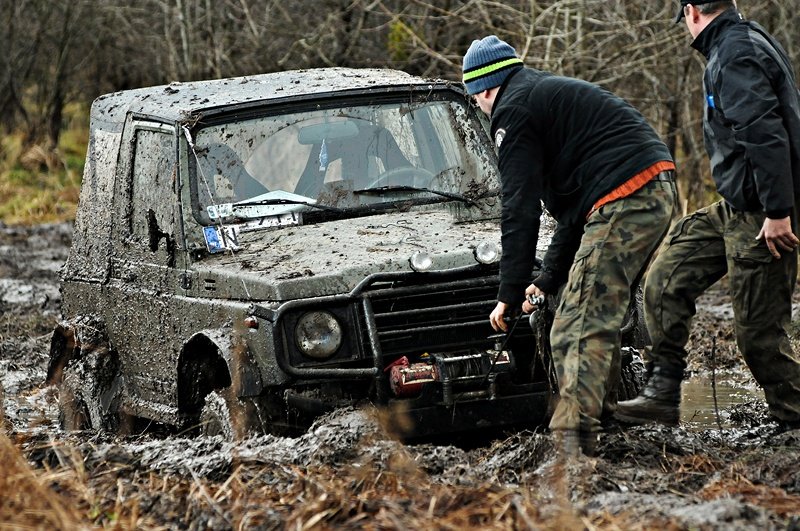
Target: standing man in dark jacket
(752, 135)
(607, 179)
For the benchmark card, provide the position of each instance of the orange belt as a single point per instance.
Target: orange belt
(633, 184)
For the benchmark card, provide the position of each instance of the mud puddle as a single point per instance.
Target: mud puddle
(706, 401)
(346, 472)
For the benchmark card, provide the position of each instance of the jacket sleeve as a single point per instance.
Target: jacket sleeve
(559, 257)
(520, 161)
(749, 102)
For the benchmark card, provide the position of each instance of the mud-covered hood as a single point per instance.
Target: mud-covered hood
(333, 257)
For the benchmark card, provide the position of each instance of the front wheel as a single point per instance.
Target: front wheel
(235, 418)
(634, 336)
(231, 417)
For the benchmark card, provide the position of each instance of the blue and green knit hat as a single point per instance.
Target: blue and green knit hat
(487, 63)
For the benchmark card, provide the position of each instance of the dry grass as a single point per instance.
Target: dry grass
(739, 487)
(28, 500)
(40, 184)
(394, 494)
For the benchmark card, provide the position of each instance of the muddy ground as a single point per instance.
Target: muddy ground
(347, 473)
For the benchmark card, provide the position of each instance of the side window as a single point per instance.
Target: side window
(152, 196)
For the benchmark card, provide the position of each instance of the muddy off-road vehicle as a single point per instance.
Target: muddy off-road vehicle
(250, 253)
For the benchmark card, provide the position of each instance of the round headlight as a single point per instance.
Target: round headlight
(420, 261)
(318, 335)
(487, 252)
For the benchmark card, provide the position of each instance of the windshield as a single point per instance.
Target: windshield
(344, 157)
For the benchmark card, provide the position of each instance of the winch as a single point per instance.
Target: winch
(407, 379)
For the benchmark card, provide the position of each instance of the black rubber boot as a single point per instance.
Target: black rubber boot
(659, 401)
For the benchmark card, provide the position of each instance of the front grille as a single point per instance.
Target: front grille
(398, 313)
(439, 317)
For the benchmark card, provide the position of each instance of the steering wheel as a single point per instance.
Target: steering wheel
(418, 177)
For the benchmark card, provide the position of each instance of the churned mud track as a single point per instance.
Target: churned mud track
(347, 472)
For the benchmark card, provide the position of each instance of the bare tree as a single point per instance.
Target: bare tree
(55, 53)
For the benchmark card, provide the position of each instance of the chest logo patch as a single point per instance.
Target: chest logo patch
(498, 137)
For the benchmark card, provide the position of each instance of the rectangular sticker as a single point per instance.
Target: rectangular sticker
(223, 238)
(281, 220)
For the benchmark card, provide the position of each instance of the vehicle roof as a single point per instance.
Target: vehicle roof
(178, 100)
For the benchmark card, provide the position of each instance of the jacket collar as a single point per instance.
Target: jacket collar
(503, 87)
(712, 33)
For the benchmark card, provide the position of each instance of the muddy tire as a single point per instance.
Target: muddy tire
(238, 418)
(73, 414)
(89, 394)
(634, 336)
(634, 329)
(632, 374)
(225, 414)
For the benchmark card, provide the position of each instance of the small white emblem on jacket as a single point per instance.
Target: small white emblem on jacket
(498, 137)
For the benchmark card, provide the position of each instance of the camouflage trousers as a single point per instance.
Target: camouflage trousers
(617, 244)
(699, 250)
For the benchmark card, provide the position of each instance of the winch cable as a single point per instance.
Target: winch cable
(541, 322)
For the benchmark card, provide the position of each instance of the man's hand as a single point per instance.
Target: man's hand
(531, 292)
(496, 317)
(778, 235)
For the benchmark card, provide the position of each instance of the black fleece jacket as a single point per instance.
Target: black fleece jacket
(566, 143)
(752, 116)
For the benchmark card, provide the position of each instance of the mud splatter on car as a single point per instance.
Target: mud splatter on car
(251, 253)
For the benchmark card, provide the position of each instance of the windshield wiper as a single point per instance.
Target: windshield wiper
(287, 202)
(391, 189)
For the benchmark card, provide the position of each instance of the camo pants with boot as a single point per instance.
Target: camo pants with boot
(699, 251)
(617, 243)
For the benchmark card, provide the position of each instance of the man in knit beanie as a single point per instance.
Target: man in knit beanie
(605, 176)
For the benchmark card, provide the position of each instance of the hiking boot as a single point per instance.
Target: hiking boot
(659, 401)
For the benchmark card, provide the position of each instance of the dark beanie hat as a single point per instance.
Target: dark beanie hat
(487, 63)
(685, 3)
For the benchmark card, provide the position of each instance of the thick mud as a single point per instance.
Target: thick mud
(347, 472)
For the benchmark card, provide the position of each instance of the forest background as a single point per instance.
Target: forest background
(56, 56)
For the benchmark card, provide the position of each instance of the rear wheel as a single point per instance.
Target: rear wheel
(73, 415)
(89, 394)
(634, 337)
(634, 329)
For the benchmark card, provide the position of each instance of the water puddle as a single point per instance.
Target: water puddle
(698, 405)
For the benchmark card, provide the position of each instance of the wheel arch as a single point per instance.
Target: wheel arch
(211, 359)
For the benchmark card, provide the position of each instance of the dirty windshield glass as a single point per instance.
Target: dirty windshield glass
(342, 157)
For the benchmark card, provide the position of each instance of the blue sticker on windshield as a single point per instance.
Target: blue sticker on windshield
(212, 240)
(221, 238)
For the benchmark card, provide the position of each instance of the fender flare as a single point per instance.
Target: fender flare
(244, 373)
